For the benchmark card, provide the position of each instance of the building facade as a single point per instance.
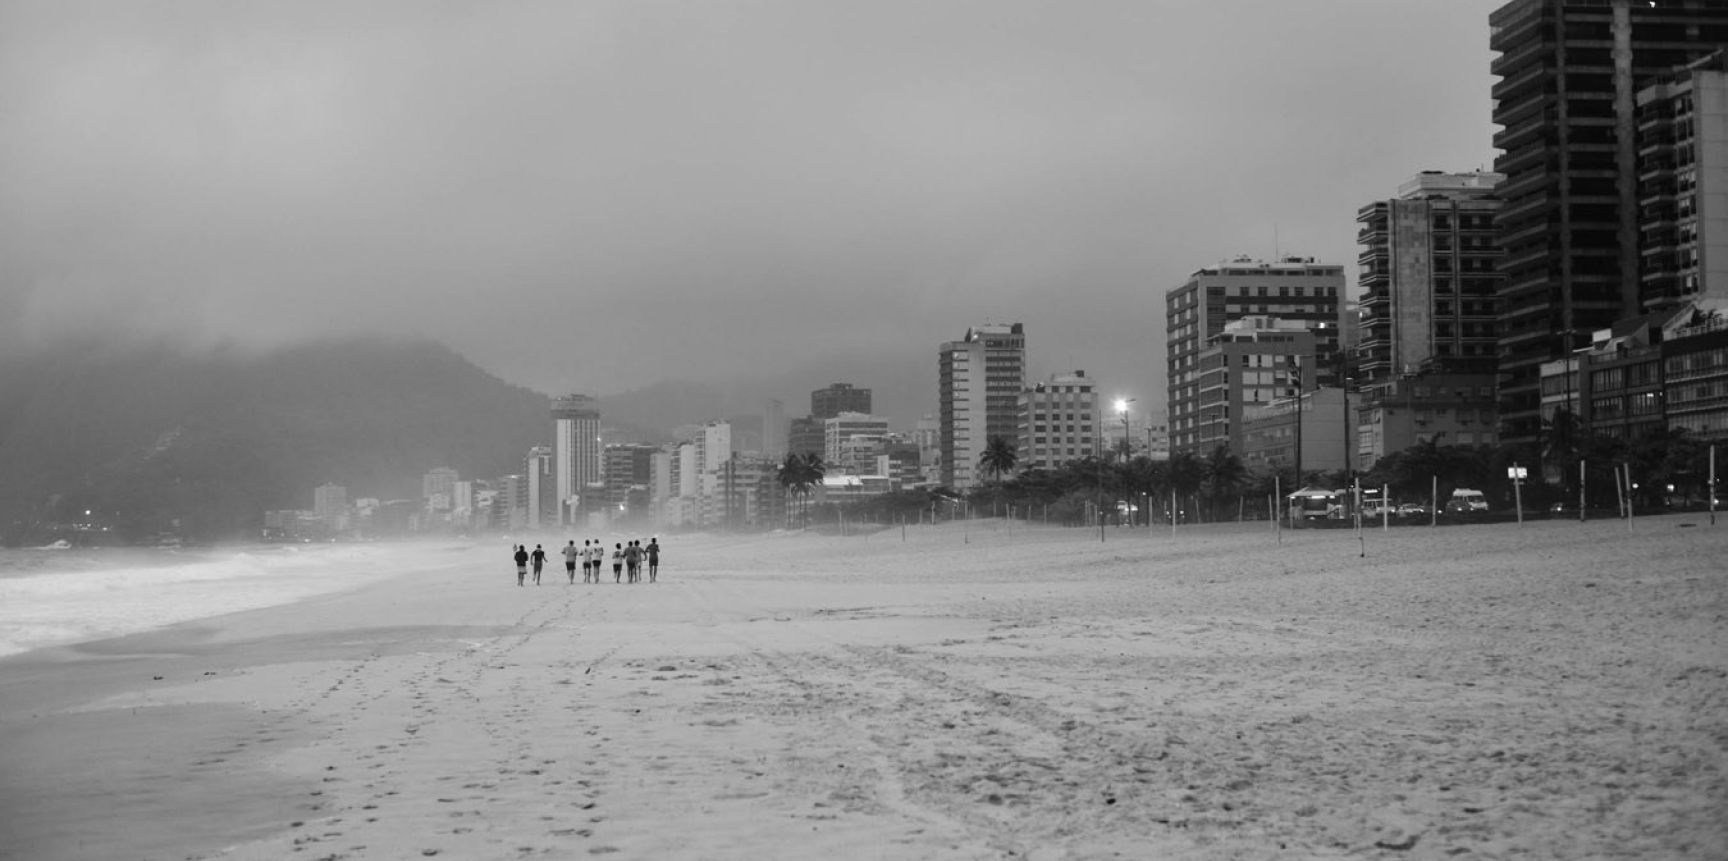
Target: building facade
(927, 436)
(774, 428)
(1695, 378)
(807, 436)
(629, 478)
(1059, 422)
(713, 449)
(1254, 361)
(1569, 72)
(1428, 277)
(851, 440)
(1446, 409)
(541, 489)
(981, 377)
(1294, 288)
(1309, 434)
(329, 503)
(576, 454)
(839, 398)
(437, 488)
(1683, 185)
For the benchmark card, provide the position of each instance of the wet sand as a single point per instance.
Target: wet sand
(1552, 691)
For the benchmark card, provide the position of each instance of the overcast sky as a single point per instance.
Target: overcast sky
(596, 196)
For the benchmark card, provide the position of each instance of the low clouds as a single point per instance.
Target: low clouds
(596, 196)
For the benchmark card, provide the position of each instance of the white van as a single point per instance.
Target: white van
(1464, 499)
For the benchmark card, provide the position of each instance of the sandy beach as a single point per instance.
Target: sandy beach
(1551, 691)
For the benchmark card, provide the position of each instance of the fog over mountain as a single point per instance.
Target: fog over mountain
(200, 443)
(761, 198)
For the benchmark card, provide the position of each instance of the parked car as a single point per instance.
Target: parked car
(1464, 500)
(1412, 509)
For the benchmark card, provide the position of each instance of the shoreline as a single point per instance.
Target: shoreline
(1548, 692)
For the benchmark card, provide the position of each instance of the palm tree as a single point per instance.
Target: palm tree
(1224, 476)
(1185, 473)
(1561, 443)
(999, 457)
(799, 474)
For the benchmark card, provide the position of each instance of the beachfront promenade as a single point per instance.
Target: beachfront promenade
(1558, 690)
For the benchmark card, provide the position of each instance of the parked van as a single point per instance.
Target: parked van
(1465, 500)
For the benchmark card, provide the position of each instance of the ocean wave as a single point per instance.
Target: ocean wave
(90, 594)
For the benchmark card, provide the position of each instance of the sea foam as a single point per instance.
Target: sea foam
(56, 597)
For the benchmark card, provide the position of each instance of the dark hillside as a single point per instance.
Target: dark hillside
(155, 439)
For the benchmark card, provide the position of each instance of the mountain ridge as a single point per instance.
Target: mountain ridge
(155, 439)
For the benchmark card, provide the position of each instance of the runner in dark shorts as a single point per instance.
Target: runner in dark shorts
(570, 554)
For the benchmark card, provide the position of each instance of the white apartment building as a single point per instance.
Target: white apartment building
(576, 453)
(1058, 422)
(981, 378)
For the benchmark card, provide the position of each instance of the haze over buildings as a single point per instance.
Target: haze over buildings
(598, 196)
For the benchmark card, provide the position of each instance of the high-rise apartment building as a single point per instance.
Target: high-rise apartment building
(713, 450)
(462, 503)
(981, 378)
(629, 474)
(437, 488)
(1428, 278)
(927, 435)
(1294, 288)
(1570, 71)
(774, 428)
(540, 488)
(329, 502)
(1058, 422)
(841, 439)
(1683, 185)
(576, 452)
(806, 436)
(1256, 360)
(839, 398)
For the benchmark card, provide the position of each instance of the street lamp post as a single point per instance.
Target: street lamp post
(1122, 410)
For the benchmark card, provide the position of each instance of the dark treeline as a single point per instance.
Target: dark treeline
(1219, 487)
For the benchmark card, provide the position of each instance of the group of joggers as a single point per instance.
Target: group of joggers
(626, 559)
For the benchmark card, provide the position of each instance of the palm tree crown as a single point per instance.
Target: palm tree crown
(999, 457)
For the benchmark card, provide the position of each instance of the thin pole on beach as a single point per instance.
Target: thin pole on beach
(1356, 498)
(1172, 512)
(1356, 503)
(1619, 493)
(1517, 494)
(1580, 490)
(1277, 516)
(1386, 508)
(1628, 497)
(1433, 500)
(1712, 485)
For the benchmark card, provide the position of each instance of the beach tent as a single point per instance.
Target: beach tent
(1314, 503)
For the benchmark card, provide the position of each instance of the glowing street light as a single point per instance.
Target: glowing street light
(1122, 410)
